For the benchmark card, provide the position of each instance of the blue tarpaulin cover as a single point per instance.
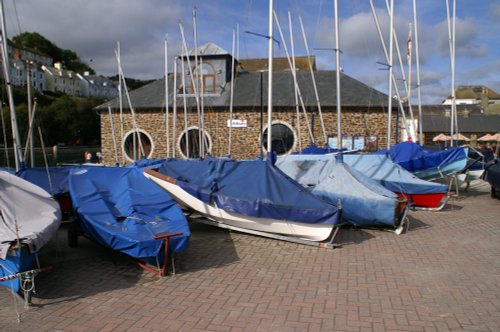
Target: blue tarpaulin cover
(146, 163)
(251, 187)
(121, 209)
(313, 149)
(365, 202)
(59, 176)
(391, 175)
(414, 158)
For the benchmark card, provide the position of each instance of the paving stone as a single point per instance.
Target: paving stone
(443, 275)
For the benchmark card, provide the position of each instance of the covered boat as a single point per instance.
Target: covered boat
(419, 193)
(53, 179)
(492, 175)
(365, 202)
(426, 164)
(252, 195)
(121, 209)
(30, 217)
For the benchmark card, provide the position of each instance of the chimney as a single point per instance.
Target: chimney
(86, 73)
(57, 65)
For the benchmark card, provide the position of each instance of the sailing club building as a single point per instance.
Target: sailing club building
(244, 135)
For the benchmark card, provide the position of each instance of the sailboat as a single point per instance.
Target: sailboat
(421, 194)
(129, 214)
(365, 202)
(426, 164)
(30, 217)
(253, 196)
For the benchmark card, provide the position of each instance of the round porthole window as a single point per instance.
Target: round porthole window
(283, 138)
(189, 143)
(137, 144)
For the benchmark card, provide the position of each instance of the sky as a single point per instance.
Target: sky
(92, 28)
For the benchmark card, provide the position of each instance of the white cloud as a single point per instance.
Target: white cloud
(466, 39)
(495, 11)
(92, 28)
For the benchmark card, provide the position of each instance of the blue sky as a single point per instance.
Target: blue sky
(93, 27)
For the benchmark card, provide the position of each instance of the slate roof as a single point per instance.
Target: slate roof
(209, 49)
(475, 123)
(247, 92)
(279, 64)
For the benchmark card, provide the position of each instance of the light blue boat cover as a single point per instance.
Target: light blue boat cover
(121, 209)
(252, 187)
(365, 202)
(415, 158)
(391, 175)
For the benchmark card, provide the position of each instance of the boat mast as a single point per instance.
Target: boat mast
(166, 98)
(389, 102)
(417, 62)
(294, 76)
(174, 108)
(296, 94)
(199, 85)
(451, 37)
(413, 133)
(411, 130)
(231, 95)
(337, 74)
(313, 78)
(120, 101)
(18, 155)
(386, 54)
(270, 78)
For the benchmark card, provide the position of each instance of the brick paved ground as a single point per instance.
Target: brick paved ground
(442, 275)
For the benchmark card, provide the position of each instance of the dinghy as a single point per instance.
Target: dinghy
(420, 194)
(252, 195)
(365, 202)
(30, 217)
(426, 164)
(120, 209)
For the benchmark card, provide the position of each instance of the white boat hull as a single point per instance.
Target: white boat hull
(311, 232)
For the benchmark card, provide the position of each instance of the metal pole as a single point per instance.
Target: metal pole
(337, 74)
(389, 102)
(28, 86)
(13, 118)
(174, 111)
(417, 61)
(270, 78)
(120, 101)
(231, 95)
(167, 104)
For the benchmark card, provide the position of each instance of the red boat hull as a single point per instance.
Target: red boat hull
(428, 201)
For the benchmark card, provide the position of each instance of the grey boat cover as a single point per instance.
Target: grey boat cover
(365, 202)
(391, 175)
(28, 209)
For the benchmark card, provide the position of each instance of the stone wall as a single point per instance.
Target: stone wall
(245, 142)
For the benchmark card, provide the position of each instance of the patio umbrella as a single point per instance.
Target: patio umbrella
(441, 137)
(460, 137)
(486, 138)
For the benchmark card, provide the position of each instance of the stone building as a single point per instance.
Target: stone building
(473, 122)
(364, 112)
